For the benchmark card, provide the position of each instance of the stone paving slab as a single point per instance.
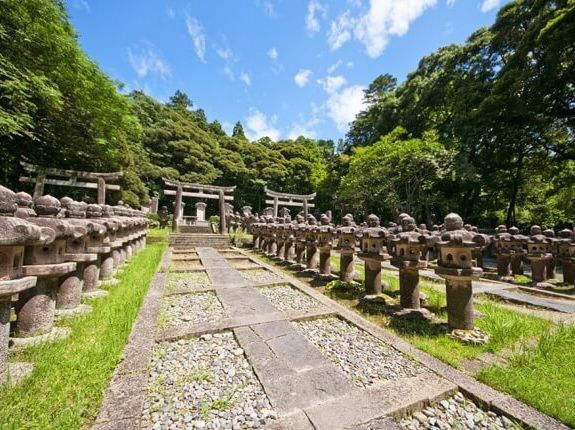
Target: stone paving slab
(469, 386)
(306, 389)
(533, 300)
(395, 397)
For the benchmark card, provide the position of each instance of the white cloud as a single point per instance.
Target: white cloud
(269, 8)
(82, 4)
(196, 32)
(229, 72)
(383, 19)
(225, 53)
(311, 20)
(258, 125)
(147, 61)
(273, 53)
(171, 13)
(340, 30)
(332, 83)
(245, 78)
(344, 105)
(302, 129)
(450, 2)
(302, 77)
(488, 5)
(334, 66)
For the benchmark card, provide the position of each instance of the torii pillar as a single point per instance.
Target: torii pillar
(177, 209)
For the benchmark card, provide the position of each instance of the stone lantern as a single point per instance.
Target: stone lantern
(69, 293)
(311, 254)
(98, 243)
(346, 239)
(539, 252)
(325, 235)
(110, 262)
(501, 243)
(373, 239)
(36, 307)
(517, 250)
(408, 247)
(566, 255)
(550, 266)
(25, 205)
(255, 231)
(279, 237)
(300, 231)
(270, 232)
(289, 246)
(163, 216)
(15, 234)
(455, 265)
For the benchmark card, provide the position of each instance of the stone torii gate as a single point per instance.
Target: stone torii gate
(201, 191)
(285, 199)
(92, 180)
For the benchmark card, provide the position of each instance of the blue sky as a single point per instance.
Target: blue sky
(282, 67)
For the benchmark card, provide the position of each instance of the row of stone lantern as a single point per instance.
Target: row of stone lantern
(406, 246)
(52, 253)
(541, 248)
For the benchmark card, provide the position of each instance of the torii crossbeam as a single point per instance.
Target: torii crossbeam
(202, 191)
(285, 199)
(92, 180)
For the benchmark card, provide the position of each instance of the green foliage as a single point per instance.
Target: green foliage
(344, 289)
(502, 105)
(397, 174)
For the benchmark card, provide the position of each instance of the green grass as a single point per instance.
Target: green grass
(542, 376)
(70, 376)
(157, 234)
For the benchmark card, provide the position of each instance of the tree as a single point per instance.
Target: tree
(238, 131)
(397, 174)
(180, 101)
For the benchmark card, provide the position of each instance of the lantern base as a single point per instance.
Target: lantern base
(62, 314)
(95, 294)
(420, 314)
(16, 373)
(325, 277)
(57, 333)
(473, 337)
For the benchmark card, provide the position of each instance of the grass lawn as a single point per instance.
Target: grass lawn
(542, 376)
(70, 376)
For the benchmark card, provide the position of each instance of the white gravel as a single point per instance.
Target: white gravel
(260, 276)
(190, 308)
(286, 298)
(457, 412)
(184, 264)
(188, 279)
(364, 358)
(204, 383)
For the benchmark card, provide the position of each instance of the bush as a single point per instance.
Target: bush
(346, 290)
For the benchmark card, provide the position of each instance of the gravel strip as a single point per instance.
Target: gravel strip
(204, 383)
(188, 279)
(286, 298)
(185, 256)
(361, 356)
(260, 276)
(195, 308)
(184, 264)
(238, 262)
(456, 412)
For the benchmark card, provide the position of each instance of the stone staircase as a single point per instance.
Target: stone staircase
(196, 229)
(193, 240)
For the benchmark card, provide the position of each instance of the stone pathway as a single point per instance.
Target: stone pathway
(534, 300)
(229, 352)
